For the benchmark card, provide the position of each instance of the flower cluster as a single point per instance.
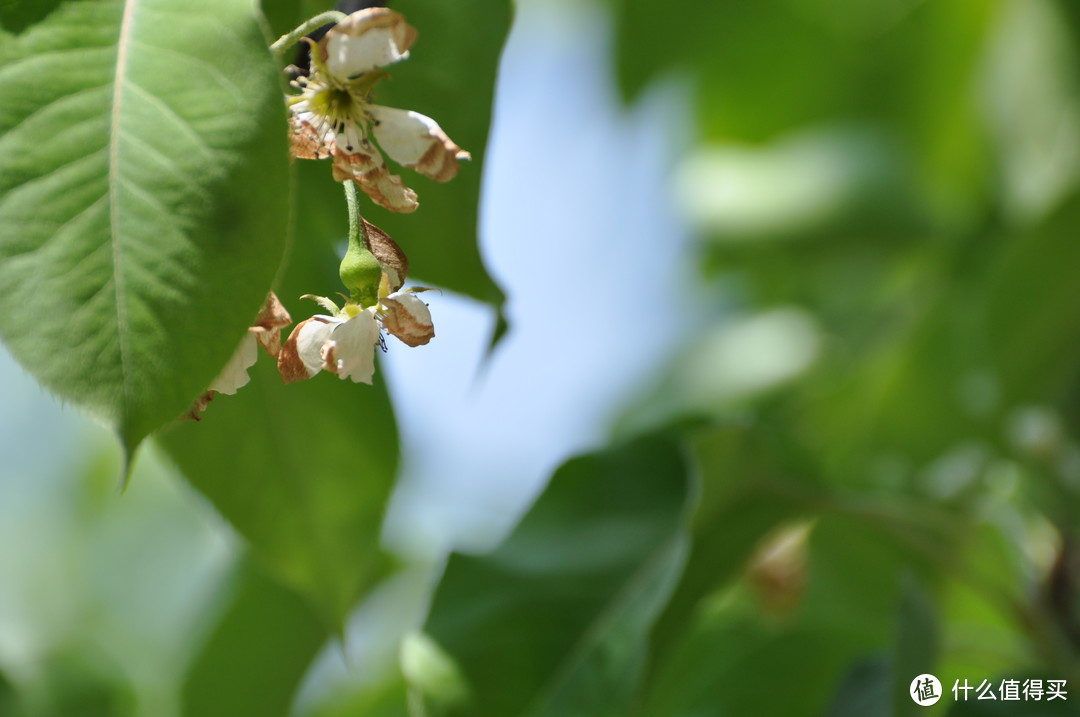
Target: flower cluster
(332, 116)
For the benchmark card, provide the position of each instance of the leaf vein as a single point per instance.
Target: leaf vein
(209, 69)
(116, 237)
(169, 164)
(173, 116)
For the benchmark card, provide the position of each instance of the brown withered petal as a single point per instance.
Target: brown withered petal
(385, 189)
(408, 319)
(197, 408)
(290, 365)
(271, 320)
(365, 40)
(305, 142)
(440, 162)
(390, 256)
(300, 357)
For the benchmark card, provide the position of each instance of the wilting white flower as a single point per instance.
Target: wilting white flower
(333, 116)
(343, 340)
(266, 332)
(342, 343)
(408, 318)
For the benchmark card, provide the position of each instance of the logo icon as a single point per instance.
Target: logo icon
(925, 690)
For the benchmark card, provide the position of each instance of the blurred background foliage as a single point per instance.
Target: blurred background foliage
(861, 466)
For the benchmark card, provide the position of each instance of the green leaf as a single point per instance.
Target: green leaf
(9, 701)
(449, 76)
(303, 471)
(386, 699)
(743, 497)
(550, 607)
(1033, 307)
(143, 177)
(729, 660)
(865, 690)
(764, 69)
(256, 656)
(17, 15)
(916, 644)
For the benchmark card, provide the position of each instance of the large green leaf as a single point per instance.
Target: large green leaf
(747, 490)
(539, 626)
(255, 657)
(143, 178)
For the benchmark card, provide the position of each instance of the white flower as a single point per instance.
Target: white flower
(343, 341)
(333, 115)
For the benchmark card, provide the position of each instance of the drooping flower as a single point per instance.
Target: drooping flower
(343, 340)
(333, 116)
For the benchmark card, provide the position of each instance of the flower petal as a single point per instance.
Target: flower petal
(366, 40)
(416, 141)
(301, 356)
(235, 373)
(309, 137)
(388, 191)
(350, 352)
(271, 320)
(408, 318)
(362, 163)
(391, 258)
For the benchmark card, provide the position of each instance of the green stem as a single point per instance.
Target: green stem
(288, 40)
(360, 271)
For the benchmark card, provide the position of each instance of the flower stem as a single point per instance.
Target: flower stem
(289, 39)
(360, 271)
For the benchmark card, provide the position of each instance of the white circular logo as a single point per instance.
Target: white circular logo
(925, 690)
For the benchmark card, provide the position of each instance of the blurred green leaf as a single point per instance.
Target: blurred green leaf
(9, 699)
(916, 644)
(745, 495)
(303, 471)
(554, 601)
(865, 690)
(762, 70)
(80, 680)
(387, 699)
(1032, 309)
(258, 652)
(142, 171)
(742, 665)
(733, 648)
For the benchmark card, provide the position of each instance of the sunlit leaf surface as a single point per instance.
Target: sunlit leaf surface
(142, 176)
